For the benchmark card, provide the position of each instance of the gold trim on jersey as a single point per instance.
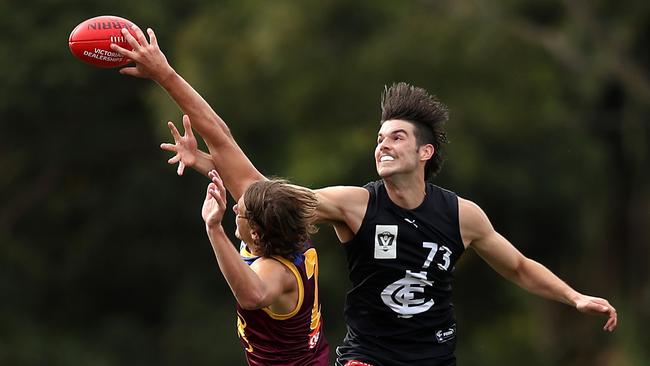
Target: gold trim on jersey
(311, 266)
(241, 331)
(301, 291)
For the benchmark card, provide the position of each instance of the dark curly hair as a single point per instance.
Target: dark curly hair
(428, 115)
(282, 215)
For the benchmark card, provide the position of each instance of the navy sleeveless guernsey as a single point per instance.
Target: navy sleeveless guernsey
(400, 262)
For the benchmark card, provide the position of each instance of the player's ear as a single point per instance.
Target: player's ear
(426, 151)
(254, 235)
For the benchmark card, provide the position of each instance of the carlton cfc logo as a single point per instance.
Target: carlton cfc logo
(402, 297)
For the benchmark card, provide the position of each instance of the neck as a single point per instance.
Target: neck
(252, 248)
(407, 192)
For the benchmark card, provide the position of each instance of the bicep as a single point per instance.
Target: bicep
(344, 207)
(478, 233)
(500, 254)
(342, 204)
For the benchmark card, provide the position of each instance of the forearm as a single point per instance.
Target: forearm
(203, 163)
(477, 232)
(204, 118)
(536, 278)
(244, 283)
(233, 165)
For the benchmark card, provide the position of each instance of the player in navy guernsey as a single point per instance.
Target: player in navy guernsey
(399, 309)
(274, 277)
(402, 235)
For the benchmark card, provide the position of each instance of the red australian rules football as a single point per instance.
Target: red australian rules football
(90, 41)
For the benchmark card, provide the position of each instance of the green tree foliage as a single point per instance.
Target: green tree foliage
(103, 257)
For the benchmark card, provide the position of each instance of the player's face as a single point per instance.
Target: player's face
(397, 150)
(243, 231)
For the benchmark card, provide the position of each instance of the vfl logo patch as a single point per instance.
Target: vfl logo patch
(386, 242)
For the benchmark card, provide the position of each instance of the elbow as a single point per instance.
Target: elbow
(251, 301)
(526, 275)
(517, 273)
(250, 305)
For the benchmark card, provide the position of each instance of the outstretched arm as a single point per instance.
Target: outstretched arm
(344, 207)
(500, 254)
(234, 166)
(252, 289)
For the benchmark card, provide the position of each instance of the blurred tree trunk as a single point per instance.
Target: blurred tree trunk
(601, 50)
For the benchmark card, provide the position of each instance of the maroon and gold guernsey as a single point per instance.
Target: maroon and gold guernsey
(293, 339)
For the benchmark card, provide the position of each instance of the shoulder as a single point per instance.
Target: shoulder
(342, 192)
(450, 198)
(474, 223)
(282, 287)
(274, 269)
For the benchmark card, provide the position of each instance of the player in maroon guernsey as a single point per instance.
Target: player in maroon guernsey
(274, 277)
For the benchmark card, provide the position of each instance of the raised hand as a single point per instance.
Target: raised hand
(598, 306)
(214, 205)
(185, 147)
(149, 60)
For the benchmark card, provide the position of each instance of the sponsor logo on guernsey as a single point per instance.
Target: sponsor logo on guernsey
(386, 242)
(401, 295)
(443, 335)
(313, 339)
(412, 222)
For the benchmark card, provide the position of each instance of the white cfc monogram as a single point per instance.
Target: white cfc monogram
(400, 296)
